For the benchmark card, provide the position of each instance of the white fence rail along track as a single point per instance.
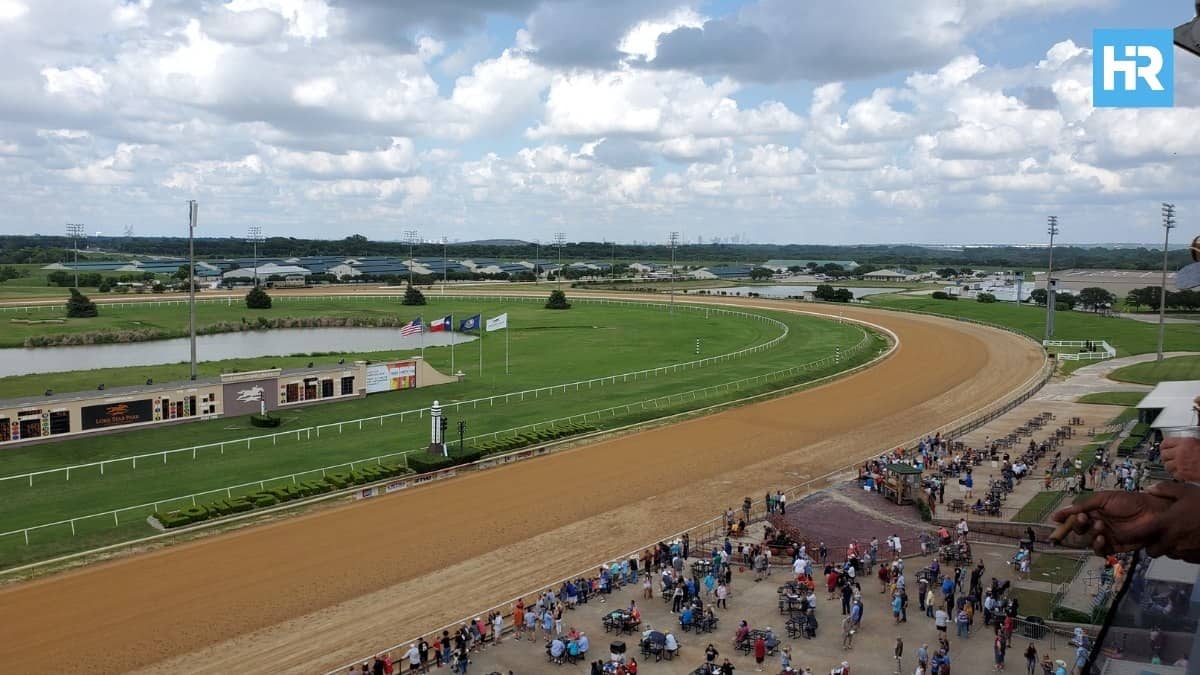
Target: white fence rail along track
(657, 403)
(306, 433)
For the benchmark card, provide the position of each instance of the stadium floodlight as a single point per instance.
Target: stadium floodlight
(254, 236)
(674, 241)
(1168, 221)
(410, 236)
(559, 239)
(75, 231)
(193, 214)
(1051, 229)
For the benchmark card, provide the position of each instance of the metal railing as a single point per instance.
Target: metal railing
(657, 403)
(489, 401)
(1097, 349)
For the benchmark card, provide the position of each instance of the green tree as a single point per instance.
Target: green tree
(865, 269)
(104, 286)
(1038, 295)
(1133, 300)
(1065, 298)
(843, 295)
(1096, 298)
(824, 292)
(257, 298)
(413, 296)
(80, 306)
(947, 273)
(760, 273)
(985, 298)
(558, 300)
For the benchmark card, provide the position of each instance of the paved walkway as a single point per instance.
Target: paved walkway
(757, 604)
(1093, 378)
(1153, 318)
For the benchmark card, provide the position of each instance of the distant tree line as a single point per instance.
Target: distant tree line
(1149, 297)
(47, 249)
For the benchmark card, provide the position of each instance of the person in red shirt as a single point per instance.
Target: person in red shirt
(831, 581)
(519, 619)
(760, 652)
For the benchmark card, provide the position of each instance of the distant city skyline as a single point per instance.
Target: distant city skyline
(822, 122)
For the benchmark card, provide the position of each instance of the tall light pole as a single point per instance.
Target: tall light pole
(193, 213)
(75, 231)
(254, 235)
(411, 237)
(674, 241)
(1168, 220)
(559, 238)
(537, 260)
(1052, 229)
(445, 275)
(612, 264)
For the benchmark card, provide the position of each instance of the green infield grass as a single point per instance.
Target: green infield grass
(546, 347)
(1122, 398)
(1153, 372)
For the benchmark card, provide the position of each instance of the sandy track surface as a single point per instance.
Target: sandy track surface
(310, 593)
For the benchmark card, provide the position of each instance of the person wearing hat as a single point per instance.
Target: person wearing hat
(1060, 667)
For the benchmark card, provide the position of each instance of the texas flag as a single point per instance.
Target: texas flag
(446, 323)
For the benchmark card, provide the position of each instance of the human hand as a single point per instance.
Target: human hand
(1181, 457)
(1179, 537)
(1116, 521)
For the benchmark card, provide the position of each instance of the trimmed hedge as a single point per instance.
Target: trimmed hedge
(271, 496)
(424, 462)
(267, 421)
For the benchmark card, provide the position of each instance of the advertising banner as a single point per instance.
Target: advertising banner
(116, 414)
(391, 376)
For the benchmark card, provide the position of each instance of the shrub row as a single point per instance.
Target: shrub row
(271, 496)
(424, 463)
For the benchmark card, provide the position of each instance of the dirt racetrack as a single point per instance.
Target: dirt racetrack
(310, 593)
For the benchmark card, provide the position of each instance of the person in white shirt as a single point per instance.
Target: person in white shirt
(414, 656)
(798, 566)
(962, 528)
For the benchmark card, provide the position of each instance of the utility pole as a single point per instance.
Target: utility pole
(254, 234)
(1168, 221)
(445, 275)
(559, 238)
(193, 213)
(411, 237)
(75, 231)
(612, 265)
(1052, 229)
(674, 241)
(537, 260)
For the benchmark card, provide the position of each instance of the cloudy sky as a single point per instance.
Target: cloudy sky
(819, 121)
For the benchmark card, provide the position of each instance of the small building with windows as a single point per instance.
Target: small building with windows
(54, 416)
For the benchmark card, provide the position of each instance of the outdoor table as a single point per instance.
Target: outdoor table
(619, 620)
(708, 669)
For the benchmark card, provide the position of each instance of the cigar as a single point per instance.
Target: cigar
(1063, 529)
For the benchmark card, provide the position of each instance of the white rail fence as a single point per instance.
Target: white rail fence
(1095, 349)
(307, 433)
(657, 403)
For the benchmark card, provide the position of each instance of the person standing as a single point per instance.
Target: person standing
(1031, 659)
(848, 632)
(782, 499)
(898, 652)
(999, 646)
(760, 652)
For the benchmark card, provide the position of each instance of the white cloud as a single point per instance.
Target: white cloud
(75, 83)
(11, 10)
(316, 92)
(654, 105)
(642, 39)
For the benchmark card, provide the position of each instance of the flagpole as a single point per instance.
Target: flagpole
(450, 329)
(506, 347)
(422, 342)
(481, 331)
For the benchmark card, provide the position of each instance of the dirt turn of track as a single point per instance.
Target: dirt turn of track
(309, 593)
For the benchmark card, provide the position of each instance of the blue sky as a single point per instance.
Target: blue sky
(824, 121)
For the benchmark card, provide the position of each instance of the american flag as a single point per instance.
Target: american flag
(412, 327)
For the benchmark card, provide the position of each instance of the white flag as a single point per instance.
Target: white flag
(498, 322)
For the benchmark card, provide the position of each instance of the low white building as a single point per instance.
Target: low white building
(898, 274)
(265, 271)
